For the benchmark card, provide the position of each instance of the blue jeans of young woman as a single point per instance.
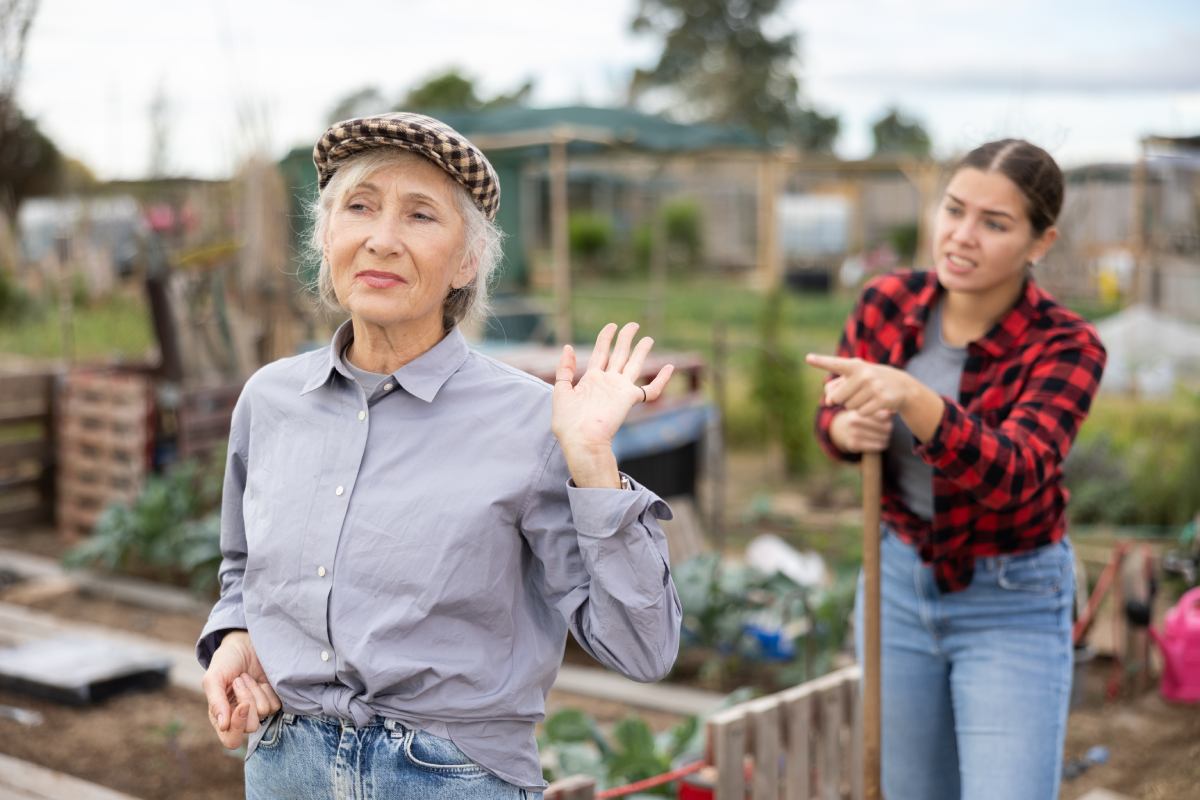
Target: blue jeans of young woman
(317, 758)
(976, 684)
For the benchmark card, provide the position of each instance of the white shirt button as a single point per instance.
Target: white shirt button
(339, 491)
(362, 415)
(324, 655)
(321, 572)
(387, 387)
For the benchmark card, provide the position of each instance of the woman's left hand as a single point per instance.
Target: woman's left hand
(864, 387)
(586, 415)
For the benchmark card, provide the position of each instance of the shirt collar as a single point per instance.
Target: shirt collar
(423, 377)
(1012, 326)
(1003, 335)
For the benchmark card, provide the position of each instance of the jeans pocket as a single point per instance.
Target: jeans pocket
(274, 731)
(435, 754)
(1042, 571)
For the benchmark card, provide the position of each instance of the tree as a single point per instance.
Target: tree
(898, 135)
(449, 90)
(358, 103)
(453, 91)
(717, 55)
(29, 162)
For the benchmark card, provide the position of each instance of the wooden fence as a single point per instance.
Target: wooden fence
(800, 744)
(804, 743)
(27, 449)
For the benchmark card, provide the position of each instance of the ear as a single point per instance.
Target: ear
(1042, 244)
(466, 272)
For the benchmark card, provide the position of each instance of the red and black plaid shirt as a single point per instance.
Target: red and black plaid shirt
(998, 451)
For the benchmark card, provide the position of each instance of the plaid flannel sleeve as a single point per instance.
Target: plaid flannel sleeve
(1008, 464)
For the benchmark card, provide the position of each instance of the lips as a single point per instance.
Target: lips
(959, 265)
(379, 280)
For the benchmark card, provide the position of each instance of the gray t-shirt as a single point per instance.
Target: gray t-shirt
(939, 366)
(369, 381)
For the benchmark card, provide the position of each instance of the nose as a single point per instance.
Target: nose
(962, 230)
(385, 238)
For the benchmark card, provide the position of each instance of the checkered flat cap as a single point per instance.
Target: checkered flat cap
(427, 136)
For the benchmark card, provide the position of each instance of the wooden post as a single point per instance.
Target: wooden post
(872, 471)
(770, 261)
(716, 520)
(560, 246)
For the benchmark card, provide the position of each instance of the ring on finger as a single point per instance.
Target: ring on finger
(645, 399)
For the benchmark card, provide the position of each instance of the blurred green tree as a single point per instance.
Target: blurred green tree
(30, 164)
(898, 135)
(448, 90)
(358, 103)
(718, 56)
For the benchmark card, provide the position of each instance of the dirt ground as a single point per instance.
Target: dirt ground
(158, 745)
(154, 745)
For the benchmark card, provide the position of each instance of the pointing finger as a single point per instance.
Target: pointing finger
(839, 366)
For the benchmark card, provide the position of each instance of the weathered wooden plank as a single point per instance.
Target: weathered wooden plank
(16, 483)
(831, 716)
(39, 449)
(798, 769)
(765, 719)
(856, 740)
(38, 386)
(728, 733)
(21, 780)
(576, 787)
(24, 517)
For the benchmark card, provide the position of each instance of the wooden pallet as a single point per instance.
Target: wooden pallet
(27, 450)
(105, 434)
(204, 416)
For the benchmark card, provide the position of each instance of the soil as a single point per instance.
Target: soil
(159, 745)
(182, 629)
(155, 745)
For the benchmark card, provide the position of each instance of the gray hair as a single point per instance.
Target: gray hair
(483, 238)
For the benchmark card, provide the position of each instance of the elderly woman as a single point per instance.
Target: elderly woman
(409, 528)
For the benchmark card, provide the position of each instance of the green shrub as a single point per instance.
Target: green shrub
(1135, 462)
(573, 744)
(779, 389)
(171, 532)
(903, 239)
(681, 226)
(591, 237)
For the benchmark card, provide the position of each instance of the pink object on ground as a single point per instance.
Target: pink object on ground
(1179, 642)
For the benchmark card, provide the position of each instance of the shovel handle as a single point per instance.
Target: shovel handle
(872, 496)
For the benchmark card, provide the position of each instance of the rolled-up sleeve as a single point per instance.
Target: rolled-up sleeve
(605, 567)
(229, 613)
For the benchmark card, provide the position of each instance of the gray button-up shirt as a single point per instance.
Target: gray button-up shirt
(420, 553)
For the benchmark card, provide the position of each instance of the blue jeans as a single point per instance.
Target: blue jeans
(317, 758)
(976, 684)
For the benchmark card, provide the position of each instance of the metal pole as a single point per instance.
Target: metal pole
(872, 476)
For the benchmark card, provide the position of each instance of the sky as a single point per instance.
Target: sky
(1085, 80)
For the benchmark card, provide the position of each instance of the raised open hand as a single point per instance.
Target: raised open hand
(587, 414)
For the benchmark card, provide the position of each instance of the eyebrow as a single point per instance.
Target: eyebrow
(417, 196)
(987, 211)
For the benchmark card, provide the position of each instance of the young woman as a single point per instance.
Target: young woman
(973, 382)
